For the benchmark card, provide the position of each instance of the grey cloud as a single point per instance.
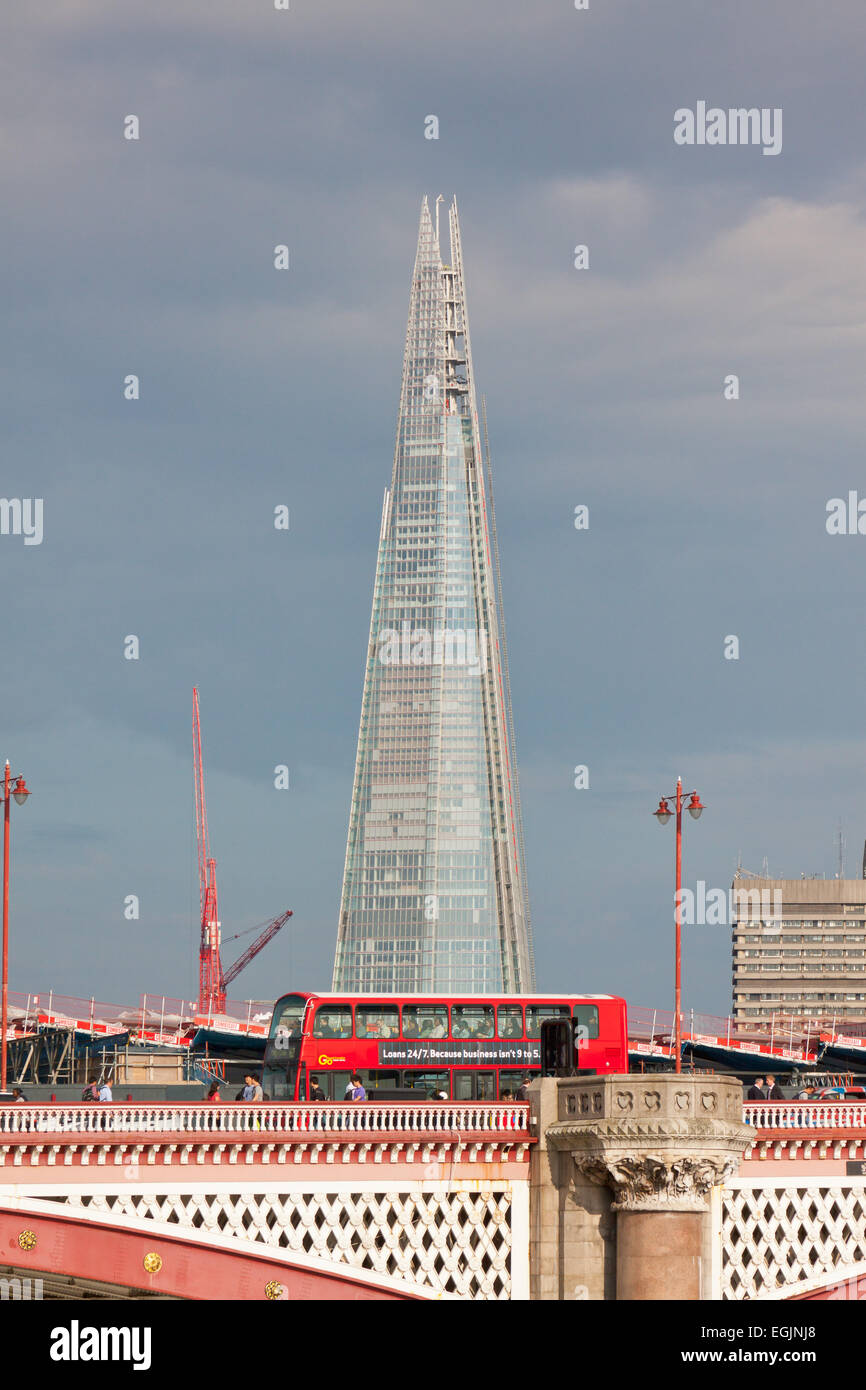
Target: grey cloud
(601, 387)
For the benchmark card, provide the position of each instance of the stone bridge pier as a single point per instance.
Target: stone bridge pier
(621, 1180)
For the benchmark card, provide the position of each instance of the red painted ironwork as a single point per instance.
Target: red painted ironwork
(252, 951)
(694, 808)
(211, 995)
(139, 1255)
(20, 793)
(212, 982)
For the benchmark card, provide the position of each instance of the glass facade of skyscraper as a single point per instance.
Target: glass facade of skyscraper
(434, 895)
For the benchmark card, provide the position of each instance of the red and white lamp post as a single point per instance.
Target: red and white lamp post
(20, 793)
(663, 815)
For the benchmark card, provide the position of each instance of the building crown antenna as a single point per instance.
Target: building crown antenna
(840, 849)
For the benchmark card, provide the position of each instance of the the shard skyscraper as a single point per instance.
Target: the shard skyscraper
(434, 892)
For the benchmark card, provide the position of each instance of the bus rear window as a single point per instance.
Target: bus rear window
(586, 1019)
(536, 1012)
(333, 1021)
(377, 1021)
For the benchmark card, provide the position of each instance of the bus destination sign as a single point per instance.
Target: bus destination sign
(461, 1051)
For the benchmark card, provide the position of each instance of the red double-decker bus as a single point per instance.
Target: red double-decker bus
(424, 1047)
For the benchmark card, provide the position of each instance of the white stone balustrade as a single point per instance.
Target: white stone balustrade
(805, 1114)
(432, 1118)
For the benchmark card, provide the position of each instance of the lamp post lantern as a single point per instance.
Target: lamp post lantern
(20, 793)
(663, 815)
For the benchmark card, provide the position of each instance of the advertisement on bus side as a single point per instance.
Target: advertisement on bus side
(462, 1051)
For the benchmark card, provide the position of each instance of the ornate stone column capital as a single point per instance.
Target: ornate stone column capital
(661, 1142)
(653, 1182)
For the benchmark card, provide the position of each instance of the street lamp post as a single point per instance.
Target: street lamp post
(20, 793)
(663, 815)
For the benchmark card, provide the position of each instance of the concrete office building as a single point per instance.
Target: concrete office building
(799, 952)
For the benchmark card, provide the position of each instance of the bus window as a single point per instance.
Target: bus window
(378, 1080)
(427, 1085)
(472, 1020)
(510, 1020)
(585, 1022)
(510, 1083)
(333, 1021)
(474, 1085)
(377, 1021)
(536, 1012)
(335, 1084)
(405, 1085)
(425, 1021)
(288, 1016)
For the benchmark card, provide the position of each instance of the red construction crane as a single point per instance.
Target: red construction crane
(211, 994)
(252, 951)
(211, 980)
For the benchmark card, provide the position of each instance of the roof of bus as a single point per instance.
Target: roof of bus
(475, 998)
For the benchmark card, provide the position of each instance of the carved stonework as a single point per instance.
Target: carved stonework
(650, 1182)
(662, 1142)
(660, 1096)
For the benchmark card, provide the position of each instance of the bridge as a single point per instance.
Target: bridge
(435, 1200)
(419, 1201)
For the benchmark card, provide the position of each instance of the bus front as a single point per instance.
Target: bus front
(283, 1049)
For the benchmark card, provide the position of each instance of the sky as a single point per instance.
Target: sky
(605, 387)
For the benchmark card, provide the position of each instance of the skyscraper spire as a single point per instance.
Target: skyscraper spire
(434, 897)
